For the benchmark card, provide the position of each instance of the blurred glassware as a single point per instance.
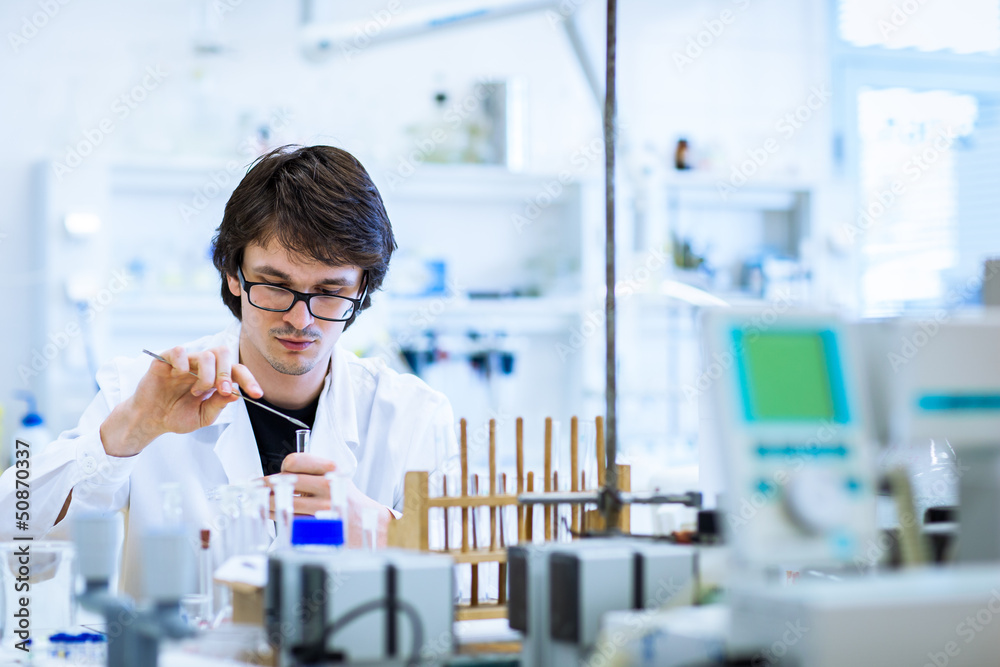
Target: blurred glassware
(49, 568)
(933, 469)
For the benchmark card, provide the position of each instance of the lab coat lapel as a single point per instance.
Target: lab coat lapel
(335, 430)
(236, 447)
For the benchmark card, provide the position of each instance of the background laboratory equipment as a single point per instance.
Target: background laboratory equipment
(168, 575)
(49, 568)
(402, 603)
(946, 390)
(932, 467)
(797, 446)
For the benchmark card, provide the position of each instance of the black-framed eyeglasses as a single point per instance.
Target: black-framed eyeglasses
(329, 307)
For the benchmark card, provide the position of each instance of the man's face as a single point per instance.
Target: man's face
(293, 342)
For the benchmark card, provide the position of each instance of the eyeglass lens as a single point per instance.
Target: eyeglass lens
(277, 298)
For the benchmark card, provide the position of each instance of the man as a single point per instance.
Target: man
(303, 243)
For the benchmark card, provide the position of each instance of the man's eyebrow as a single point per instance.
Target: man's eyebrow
(268, 270)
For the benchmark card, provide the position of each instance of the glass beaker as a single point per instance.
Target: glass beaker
(932, 466)
(934, 477)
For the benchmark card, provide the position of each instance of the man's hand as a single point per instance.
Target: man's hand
(169, 400)
(314, 495)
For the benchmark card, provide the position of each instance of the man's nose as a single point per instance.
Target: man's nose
(299, 316)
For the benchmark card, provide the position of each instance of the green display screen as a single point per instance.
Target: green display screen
(787, 376)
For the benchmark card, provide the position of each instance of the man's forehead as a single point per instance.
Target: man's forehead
(280, 259)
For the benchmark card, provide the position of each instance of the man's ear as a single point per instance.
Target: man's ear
(234, 285)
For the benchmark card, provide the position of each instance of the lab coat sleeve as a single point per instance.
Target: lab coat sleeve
(433, 445)
(75, 461)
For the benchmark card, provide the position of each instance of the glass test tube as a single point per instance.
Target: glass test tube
(301, 440)
(205, 584)
(284, 490)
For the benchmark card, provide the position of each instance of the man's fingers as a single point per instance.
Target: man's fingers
(310, 505)
(177, 363)
(223, 370)
(313, 485)
(247, 382)
(303, 505)
(204, 363)
(307, 464)
(212, 406)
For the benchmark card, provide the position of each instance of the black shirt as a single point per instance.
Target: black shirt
(276, 436)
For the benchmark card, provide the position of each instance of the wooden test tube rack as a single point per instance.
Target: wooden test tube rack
(411, 531)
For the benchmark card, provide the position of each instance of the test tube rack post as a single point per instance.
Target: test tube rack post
(412, 530)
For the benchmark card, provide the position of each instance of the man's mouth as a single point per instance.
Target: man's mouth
(295, 345)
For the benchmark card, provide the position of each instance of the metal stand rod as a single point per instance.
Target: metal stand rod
(690, 499)
(610, 504)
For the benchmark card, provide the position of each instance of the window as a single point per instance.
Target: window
(909, 192)
(919, 109)
(962, 26)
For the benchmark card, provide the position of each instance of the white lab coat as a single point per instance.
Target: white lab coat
(373, 422)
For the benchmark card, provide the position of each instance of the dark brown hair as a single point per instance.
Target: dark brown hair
(314, 200)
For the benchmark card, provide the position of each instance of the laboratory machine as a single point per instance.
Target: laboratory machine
(335, 606)
(789, 412)
(560, 591)
(801, 406)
